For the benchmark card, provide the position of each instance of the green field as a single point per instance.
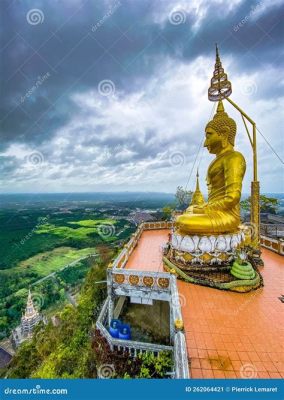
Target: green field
(93, 223)
(105, 228)
(51, 261)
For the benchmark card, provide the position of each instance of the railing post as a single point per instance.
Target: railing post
(110, 296)
(172, 324)
(110, 309)
(180, 357)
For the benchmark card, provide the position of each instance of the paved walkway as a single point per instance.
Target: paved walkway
(147, 256)
(236, 335)
(229, 335)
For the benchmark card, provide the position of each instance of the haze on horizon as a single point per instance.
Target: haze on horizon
(112, 95)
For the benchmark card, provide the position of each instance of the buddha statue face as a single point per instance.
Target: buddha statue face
(217, 141)
(220, 132)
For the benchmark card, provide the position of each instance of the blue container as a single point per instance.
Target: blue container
(124, 332)
(115, 325)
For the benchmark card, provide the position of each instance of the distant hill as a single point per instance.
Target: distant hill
(38, 199)
(35, 199)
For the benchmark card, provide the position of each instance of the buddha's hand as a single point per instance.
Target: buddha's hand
(198, 210)
(195, 210)
(189, 210)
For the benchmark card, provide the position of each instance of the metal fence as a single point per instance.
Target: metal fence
(272, 230)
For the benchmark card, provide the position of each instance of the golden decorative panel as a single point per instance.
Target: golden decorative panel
(163, 282)
(119, 278)
(133, 280)
(148, 281)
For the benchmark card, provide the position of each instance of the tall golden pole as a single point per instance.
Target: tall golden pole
(221, 88)
(255, 211)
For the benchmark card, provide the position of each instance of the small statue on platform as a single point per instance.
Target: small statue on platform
(221, 214)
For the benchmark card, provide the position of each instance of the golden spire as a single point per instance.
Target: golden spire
(217, 54)
(197, 197)
(220, 107)
(220, 87)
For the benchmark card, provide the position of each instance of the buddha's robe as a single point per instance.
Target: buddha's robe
(222, 212)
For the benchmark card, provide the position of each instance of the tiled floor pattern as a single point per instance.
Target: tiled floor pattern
(147, 256)
(236, 335)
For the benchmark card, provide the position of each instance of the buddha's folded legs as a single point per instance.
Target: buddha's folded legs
(206, 225)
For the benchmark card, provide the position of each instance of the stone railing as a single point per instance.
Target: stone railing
(147, 284)
(166, 290)
(276, 245)
(178, 350)
(132, 346)
(272, 230)
(180, 357)
(157, 225)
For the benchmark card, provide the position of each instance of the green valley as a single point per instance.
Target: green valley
(50, 248)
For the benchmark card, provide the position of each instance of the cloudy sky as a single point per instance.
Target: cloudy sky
(100, 95)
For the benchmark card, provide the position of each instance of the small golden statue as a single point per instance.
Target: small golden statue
(221, 214)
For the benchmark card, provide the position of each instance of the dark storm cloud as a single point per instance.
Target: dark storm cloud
(80, 43)
(261, 38)
(77, 58)
(8, 165)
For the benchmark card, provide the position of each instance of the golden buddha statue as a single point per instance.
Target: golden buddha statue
(221, 214)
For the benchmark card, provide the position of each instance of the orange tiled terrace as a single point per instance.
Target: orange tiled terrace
(228, 335)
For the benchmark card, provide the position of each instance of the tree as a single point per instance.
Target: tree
(266, 204)
(167, 212)
(183, 197)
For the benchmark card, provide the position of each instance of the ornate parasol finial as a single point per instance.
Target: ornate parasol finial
(220, 87)
(217, 53)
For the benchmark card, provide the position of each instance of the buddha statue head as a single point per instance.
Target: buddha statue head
(220, 132)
